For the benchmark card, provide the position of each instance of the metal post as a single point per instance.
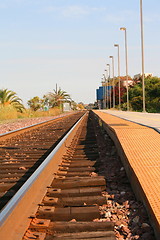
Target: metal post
(119, 84)
(142, 50)
(103, 93)
(109, 81)
(126, 51)
(113, 81)
(107, 87)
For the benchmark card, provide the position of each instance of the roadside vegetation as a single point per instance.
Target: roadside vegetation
(11, 106)
(10, 98)
(8, 112)
(152, 95)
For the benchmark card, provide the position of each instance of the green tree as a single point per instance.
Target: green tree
(8, 97)
(56, 97)
(152, 95)
(35, 103)
(152, 89)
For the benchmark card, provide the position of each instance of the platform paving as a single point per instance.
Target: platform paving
(141, 146)
(147, 119)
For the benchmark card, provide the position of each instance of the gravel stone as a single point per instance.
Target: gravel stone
(11, 125)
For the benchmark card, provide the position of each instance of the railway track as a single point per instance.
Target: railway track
(67, 198)
(21, 152)
(72, 201)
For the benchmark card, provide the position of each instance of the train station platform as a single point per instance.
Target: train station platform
(151, 120)
(139, 149)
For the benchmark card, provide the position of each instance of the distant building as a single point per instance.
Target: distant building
(138, 76)
(66, 106)
(123, 81)
(101, 95)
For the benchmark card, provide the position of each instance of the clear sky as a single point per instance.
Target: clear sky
(68, 42)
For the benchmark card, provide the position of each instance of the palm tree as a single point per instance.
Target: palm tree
(56, 97)
(8, 97)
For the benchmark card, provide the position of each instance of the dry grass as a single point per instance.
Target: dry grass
(8, 112)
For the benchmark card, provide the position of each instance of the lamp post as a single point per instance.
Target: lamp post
(142, 50)
(104, 90)
(124, 29)
(109, 74)
(119, 86)
(107, 86)
(103, 82)
(113, 80)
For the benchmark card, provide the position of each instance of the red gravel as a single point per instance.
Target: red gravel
(14, 124)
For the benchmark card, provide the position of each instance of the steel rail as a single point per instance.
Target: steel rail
(33, 125)
(8, 214)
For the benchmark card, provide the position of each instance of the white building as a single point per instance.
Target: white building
(137, 76)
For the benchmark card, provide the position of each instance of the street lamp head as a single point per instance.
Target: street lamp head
(108, 64)
(116, 45)
(123, 28)
(110, 56)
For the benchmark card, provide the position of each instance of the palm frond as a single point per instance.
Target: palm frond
(8, 97)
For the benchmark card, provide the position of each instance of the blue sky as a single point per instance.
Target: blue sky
(68, 42)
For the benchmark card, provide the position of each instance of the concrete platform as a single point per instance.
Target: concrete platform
(144, 118)
(139, 149)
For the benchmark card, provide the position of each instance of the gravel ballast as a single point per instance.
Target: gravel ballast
(14, 124)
